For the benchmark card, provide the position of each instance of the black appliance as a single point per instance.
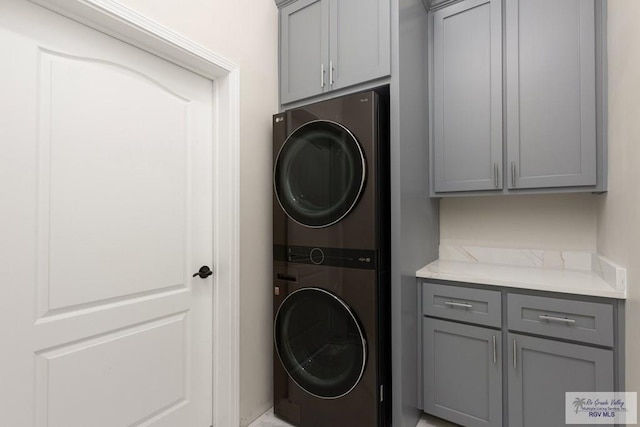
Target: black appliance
(331, 262)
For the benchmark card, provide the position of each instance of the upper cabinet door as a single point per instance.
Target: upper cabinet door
(467, 59)
(551, 93)
(304, 49)
(360, 37)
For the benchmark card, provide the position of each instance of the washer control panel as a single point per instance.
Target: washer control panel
(334, 257)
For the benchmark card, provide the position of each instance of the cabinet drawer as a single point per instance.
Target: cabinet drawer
(572, 320)
(465, 304)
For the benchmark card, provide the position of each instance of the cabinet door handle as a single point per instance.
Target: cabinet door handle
(513, 174)
(322, 75)
(331, 69)
(495, 174)
(557, 319)
(458, 304)
(515, 354)
(495, 356)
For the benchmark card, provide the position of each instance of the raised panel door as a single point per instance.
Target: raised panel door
(107, 178)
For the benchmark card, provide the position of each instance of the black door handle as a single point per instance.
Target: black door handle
(204, 272)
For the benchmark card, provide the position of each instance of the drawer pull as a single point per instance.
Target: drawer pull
(556, 319)
(458, 304)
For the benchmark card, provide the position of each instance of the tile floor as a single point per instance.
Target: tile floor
(269, 420)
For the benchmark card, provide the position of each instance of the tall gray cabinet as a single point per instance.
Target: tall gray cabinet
(532, 123)
(330, 44)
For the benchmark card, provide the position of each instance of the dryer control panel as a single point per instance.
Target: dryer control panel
(334, 257)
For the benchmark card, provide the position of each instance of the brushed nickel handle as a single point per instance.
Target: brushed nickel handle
(322, 75)
(331, 69)
(513, 174)
(458, 304)
(495, 174)
(495, 356)
(556, 319)
(515, 354)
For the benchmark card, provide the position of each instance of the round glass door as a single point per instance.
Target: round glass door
(320, 343)
(319, 174)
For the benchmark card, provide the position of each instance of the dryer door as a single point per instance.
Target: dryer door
(320, 343)
(319, 173)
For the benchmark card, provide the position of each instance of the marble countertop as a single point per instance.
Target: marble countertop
(568, 272)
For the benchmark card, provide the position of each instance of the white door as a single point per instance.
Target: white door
(105, 215)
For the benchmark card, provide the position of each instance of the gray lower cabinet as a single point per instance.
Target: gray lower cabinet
(493, 357)
(327, 45)
(462, 372)
(553, 105)
(540, 371)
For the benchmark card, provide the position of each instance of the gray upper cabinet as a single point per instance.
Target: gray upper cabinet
(467, 97)
(330, 44)
(552, 80)
(360, 41)
(304, 45)
(551, 98)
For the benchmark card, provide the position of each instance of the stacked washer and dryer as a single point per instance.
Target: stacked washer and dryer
(331, 263)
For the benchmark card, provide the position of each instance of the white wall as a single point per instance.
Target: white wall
(559, 221)
(244, 31)
(619, 209)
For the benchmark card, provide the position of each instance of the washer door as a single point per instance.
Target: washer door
(319, 173)
(320, 343)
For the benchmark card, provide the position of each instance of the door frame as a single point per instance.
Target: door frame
(114, 19)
